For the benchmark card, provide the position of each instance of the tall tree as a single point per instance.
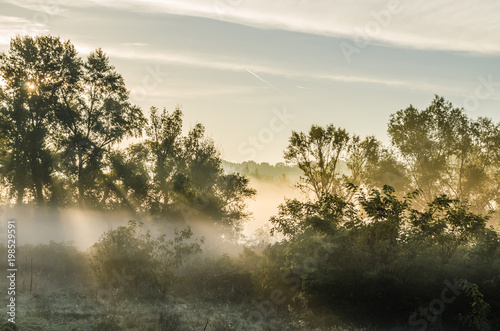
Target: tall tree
(444, 151)
(318, 154)
(164, 141)
(329, 158)
(128, 184)
(35, 70)
(360, 159)
(95, 116)
(204, 185)
(60, 117)
(188, 178)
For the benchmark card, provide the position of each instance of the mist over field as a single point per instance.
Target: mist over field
(269, 195)
(84, 227)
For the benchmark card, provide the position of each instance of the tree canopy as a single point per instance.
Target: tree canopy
(62, 119)
(365, 250)
(439, 150)
(443, 151)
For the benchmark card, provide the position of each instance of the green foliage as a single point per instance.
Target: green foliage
(377, 256)
(61, 120)
(324, 215)
(478, 317)
(318, 154)
(330, 158)
(356, 245)
(35, 70)
(222, 279)
(93, 116)
(58, 117)
(439, 150)
(127, 185)
(124, 257)
(446, 152)
(60, 263)
(120, 255)
(189, 180)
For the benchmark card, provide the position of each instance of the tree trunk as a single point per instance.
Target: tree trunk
(20, 195)
(20, 183)
(38, 190)
(81, 187)
(20, 172)
(37, 182)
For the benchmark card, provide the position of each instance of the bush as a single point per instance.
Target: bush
(383, 258)
(124, 257)
(55, 263)
(218, 279)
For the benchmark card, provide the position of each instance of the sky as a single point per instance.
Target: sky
(252, 71)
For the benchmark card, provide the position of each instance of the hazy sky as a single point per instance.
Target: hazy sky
(253, 68)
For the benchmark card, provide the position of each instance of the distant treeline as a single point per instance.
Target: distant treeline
(265, 171)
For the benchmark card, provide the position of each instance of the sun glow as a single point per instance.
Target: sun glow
(2, 82)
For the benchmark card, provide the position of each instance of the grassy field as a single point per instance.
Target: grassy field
(52, 308)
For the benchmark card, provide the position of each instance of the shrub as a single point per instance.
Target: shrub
(218, 279)
(384, 258)
(124, 257)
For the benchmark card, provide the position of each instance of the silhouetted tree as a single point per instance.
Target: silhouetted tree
(60, 116)
(349, 243)
(330, 157)
(128, 183)
(164, 142)
(377, 256)
(36, 70)
(188, 178)
(95, 116)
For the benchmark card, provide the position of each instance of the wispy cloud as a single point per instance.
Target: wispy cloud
(53, 7)
(176, 92)
(214, 63)
(456, 25)
(11, 26)
(135, 44)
